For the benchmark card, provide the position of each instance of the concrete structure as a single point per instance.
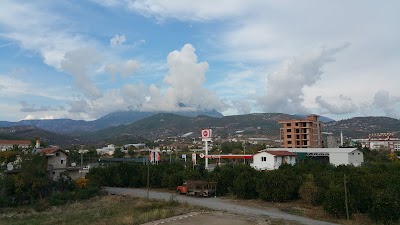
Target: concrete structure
(335, 156)
(271, 160)
(109, 150)
(57, 163)
(330, 141)
(8, 144)
(301, 133)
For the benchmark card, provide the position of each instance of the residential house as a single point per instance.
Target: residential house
(57, 163)
(271, 160)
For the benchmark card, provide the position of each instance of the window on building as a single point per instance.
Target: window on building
(296, 124)
(289, 142)
(57, 154)
(297, 142)
(297, 131)
(297, 136)
(352, 153)
(263, 159)
(288, 124)
(359, 153)
(54, 173)
(289, 136)
(62, 161)
(289, 130)
(305, 142)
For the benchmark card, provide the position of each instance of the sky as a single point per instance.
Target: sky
(84, 59)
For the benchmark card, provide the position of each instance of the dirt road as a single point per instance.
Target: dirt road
(216, 204)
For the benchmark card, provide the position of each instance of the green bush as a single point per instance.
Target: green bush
(244, 185)
(385, 207)
(309, 190)
(60, 198)
(279, 186)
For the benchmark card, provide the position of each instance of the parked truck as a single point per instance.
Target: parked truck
(197, 188)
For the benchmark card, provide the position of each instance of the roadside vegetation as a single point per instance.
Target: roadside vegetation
(30, 184)
(98, 210)
(372, 189)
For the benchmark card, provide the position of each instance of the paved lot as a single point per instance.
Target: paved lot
(217, 204)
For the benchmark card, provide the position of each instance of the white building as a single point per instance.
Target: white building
(109, 150)
(271, 160)
(378, 141)
(336, 156)
(9, 144)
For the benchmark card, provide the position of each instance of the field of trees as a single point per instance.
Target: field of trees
(372, 189)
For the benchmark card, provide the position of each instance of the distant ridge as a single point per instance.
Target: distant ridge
(69, 126)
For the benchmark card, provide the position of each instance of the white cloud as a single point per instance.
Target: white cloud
(39, 31)
(285, 85)
(388, 103)
(26, 107)
(126, 68)
(78, 63)
(345, 106)
(29, 117)
(193, 11)
(117, 40)
(186, 78)
(184, 86)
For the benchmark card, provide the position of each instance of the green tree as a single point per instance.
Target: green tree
(244, 185)
(118, 153)
(309, 190)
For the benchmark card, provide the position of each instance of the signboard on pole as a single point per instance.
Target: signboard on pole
(206, 134)
(194, 158)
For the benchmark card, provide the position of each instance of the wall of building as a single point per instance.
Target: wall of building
(258, 164)
(356, 158)
(339, 158)
(272, 162)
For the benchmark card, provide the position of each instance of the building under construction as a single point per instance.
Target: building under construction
(301, 133)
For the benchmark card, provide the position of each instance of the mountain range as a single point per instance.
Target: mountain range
(69, 126)
(153, 126)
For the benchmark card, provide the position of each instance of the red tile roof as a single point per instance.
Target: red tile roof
(49, 150)
(15, 142)
(281, 153)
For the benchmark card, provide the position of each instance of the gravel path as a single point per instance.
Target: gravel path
(216, 204)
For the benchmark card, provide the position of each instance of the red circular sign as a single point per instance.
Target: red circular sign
(205, 133)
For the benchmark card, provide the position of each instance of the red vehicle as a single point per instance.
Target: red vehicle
(197, 188)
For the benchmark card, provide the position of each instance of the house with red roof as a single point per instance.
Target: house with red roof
(271, 160)
(57, 163)
(8, 144)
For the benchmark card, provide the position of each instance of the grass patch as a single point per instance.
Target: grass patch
(99, 210)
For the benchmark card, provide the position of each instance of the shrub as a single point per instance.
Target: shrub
(244, 185)
(334, 202)
(385, 207)
(309, 191)
(279, 186)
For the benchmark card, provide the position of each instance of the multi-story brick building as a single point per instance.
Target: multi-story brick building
(301, 133)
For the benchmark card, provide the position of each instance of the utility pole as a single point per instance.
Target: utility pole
(148, 177)
(244, 152)
(345, 198)
(81, 161)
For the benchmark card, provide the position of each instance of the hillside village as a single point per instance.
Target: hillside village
(298, 138)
